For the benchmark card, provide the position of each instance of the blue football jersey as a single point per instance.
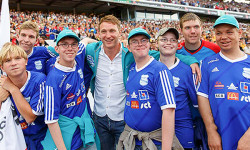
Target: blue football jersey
(149, 91)
(37, 59)
(226, 83)
(206, 49)
(32, 91)
(65, 94)
(184, 93)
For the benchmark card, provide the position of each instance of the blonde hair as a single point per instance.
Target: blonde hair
(8, 49)
(188, 17)
(30, 25)
(112, 19)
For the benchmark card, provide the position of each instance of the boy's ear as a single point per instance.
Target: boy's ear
(57, 49)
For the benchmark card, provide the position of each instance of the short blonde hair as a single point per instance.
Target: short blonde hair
(111, 19)
(30, 25)
(188, 17)
(9, 48)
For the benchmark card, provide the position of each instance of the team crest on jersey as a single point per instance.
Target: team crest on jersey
(176, 81)
(143, 94)
(128, 103)
(80, 73)
(144, 80)
(246, 73)
(82, 86)
(244, 87)
(90, 60)
(38, 65)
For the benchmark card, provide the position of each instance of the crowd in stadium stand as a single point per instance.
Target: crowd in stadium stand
(230, 6)
(86, 26)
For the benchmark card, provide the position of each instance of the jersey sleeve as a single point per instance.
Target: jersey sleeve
(36, 99)
(187, 59)
(202, 88)
(191, 89)
(52, 98)
(50, 64)
(164, 89)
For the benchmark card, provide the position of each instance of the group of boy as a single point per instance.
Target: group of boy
(141, 97)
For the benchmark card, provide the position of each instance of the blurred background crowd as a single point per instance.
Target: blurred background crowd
(51, 24)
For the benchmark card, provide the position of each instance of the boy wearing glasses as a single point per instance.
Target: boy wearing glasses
(68, 120)
(150, 100)
(167, 41)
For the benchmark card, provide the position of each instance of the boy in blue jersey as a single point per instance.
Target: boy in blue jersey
(191, 29)
(37, 56)
(223, 94)
(68, 120)
(150, 100)
(26, 92)
(167, 42)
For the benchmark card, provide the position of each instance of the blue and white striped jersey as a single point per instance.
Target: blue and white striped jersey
(226, 84)
(65, 94)
(33, 92)
(149, 91)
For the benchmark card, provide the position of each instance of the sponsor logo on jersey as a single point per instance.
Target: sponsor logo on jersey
(143, 94)
(211, 61)
(218, 85)
(80, 73)
(128, 103)
(71, 104)
(146, 105)
(70, 96)
(244, 87)
(79, 100)
(215, 69)
(245, 98)
(135, 104)
(232, 87)
(133, 95)
(68, 86)
(233, 96)
(90, 60)
(78, 92)
(176, 81)
(38, 65)
(24, 125)
(144, 80)
(219, 95)
(246, 73)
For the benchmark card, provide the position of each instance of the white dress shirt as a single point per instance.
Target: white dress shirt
(109, 93)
